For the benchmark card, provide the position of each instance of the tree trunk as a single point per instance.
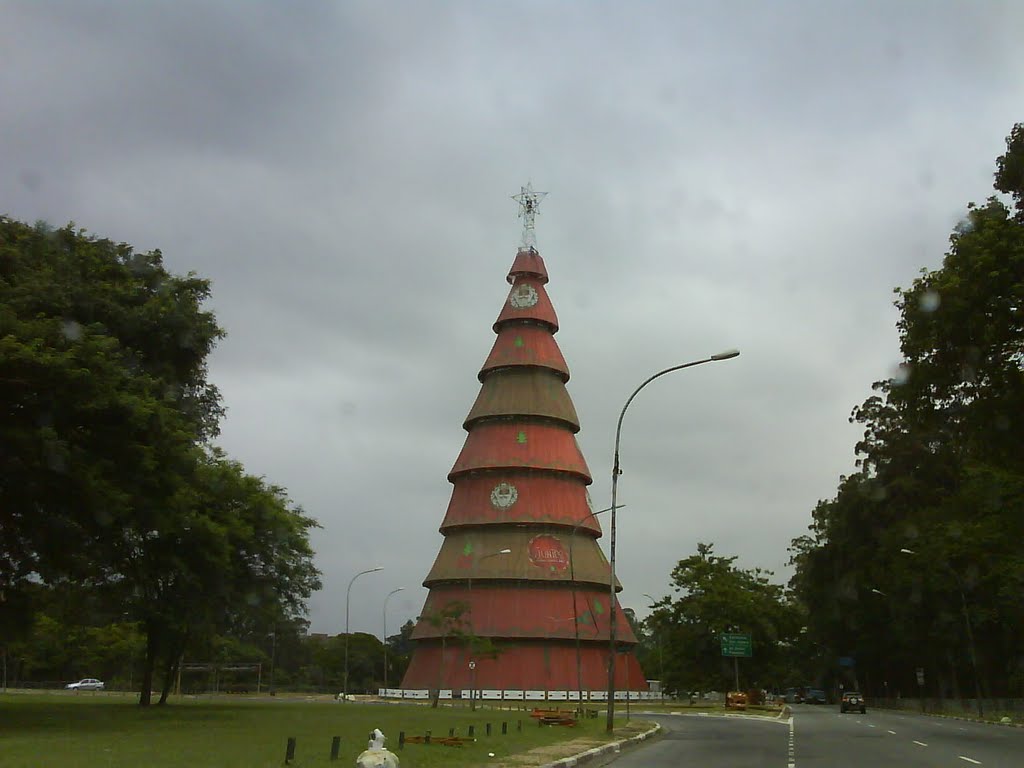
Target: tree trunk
(954, 678)
(175, 653)
(440, 675)
(169, 671)
(146, 694)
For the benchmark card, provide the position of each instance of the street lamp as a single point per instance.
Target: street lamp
(572, 579)
(273, 656)
(384, 613)
(616, 471)
(661, 655)
(348, 594)
(469, 591)
(967, 625)
(480, 560)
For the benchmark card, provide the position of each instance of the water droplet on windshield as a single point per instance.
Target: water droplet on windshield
(930, 301)
(72, 330)
(901, 375)
(964, 226)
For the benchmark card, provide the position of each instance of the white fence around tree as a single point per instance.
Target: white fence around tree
(496, 695)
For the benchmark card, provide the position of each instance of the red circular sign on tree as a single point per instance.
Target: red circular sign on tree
(547, 552)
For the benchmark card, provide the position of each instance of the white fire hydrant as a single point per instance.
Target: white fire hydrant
(376, 755)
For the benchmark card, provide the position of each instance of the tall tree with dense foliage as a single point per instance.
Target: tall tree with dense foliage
(716, 597)
(107, 477)
(917, 561)
(103, 393)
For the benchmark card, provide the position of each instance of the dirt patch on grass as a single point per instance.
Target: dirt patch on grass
(544, 755)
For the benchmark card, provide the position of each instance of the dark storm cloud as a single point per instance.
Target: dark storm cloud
(733, 174)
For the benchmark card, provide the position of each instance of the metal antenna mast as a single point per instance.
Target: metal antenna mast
(529, 202)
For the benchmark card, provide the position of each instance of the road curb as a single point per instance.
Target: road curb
(965, 719)
(605, 749)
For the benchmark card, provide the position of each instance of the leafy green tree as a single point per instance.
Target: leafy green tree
(921, 546)
(105, 417)
(234, 553)
(716, 597)
(102, 394)
(451, 621)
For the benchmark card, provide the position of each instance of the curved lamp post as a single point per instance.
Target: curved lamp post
(479, 560)
(616, 471)
(967, 626)
(469, 590)
(384, 614)
(348, 594)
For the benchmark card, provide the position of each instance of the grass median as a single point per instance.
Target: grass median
(110, 731)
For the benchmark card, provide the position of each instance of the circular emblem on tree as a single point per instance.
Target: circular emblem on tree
(523, 296)
(547, 552)
(504, 495)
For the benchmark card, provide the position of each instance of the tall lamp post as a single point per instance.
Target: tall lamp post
(616, 471)
(348, 594)
(273, 657)
(384, 615)
(469, 590)
(967, 626)
(572, 579)
(661, 656)
(479, 560)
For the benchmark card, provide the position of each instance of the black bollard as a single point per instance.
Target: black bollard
(488, 729)
(426, 739)
(519, 726)
(335, 747)
(472, 728)
(401, 739)
(289, 752)
(504, 728)
(451, 731)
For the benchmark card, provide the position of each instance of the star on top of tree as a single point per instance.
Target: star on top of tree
(529, 204)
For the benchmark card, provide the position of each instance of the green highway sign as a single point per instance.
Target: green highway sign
(736, 645)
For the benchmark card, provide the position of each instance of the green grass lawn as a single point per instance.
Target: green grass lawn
(111, 731)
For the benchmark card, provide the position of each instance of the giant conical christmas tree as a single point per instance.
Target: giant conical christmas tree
(520, 567)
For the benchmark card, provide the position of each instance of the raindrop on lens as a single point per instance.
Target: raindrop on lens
(930, 301)
(901, 375)
(72, 331)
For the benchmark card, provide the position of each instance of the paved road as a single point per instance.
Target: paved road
(709, 742)
(820, 737)
(901, 739)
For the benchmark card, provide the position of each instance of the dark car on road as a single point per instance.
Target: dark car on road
(852, 700)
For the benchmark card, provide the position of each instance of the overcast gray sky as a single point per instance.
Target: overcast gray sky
(757, 175)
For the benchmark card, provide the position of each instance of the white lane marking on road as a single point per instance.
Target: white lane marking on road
(969, 760)
(792, 744)
(920, 744)
(893, 732)
(872, 726)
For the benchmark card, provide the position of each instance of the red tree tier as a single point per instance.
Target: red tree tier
(519, 565)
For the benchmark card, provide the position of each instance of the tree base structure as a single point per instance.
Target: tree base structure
(527, 666)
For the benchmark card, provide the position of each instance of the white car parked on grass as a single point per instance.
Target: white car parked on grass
(88, 684)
